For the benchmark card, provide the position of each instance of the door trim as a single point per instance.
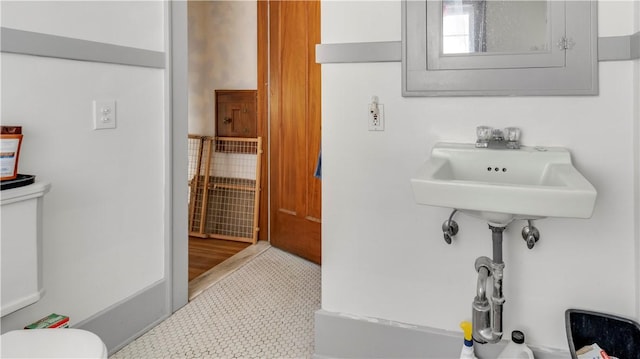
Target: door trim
(176, 147)
(264, 220)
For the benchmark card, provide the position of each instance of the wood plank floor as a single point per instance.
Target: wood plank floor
(205, 254)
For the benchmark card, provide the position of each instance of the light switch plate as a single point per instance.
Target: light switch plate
(104, 114)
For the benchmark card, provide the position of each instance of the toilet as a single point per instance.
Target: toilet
(21, 271)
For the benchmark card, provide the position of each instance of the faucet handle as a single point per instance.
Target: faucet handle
(483, 134)
(512, 134)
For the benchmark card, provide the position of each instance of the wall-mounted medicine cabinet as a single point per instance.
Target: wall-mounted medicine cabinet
(499, 47)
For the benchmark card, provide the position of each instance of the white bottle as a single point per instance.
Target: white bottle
(516, 349)
(467, 344)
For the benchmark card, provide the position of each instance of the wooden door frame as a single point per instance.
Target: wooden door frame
(263, 115)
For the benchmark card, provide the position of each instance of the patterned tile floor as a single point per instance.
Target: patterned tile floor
(263, 310)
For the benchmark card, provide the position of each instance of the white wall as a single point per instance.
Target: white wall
(384, 256)
(127, 23)
(223, 55)
(104, 216)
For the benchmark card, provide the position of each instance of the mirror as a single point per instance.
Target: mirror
(497, 26)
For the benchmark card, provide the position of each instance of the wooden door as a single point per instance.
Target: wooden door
(294, 91)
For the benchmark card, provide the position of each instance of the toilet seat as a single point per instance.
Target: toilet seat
(52, 343)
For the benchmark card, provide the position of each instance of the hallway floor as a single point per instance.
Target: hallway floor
(206, 253)
(263, 310)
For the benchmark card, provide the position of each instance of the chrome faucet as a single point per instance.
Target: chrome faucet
(487, 313)
(488, 137)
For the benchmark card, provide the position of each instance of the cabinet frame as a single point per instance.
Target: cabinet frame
(579, 76)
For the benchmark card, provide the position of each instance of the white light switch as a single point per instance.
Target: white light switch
(104, 114)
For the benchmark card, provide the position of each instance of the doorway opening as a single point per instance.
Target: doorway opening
(282, 69)
(222, 65)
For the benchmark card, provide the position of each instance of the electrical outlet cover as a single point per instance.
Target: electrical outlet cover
(376, 121)
(104, 114)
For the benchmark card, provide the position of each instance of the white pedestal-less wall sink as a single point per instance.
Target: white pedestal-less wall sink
(502, 185)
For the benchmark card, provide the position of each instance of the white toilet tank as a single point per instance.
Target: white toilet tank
(21, 246)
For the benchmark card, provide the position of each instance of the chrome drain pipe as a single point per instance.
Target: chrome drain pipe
(487, 315)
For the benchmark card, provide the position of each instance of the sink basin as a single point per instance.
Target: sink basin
(502, 185)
